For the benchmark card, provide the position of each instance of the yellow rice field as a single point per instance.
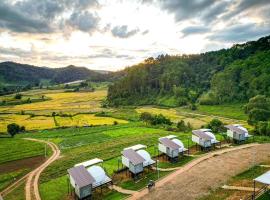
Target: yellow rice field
(71, 102)
(44, 122)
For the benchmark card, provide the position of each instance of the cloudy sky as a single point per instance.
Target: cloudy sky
(113, 34)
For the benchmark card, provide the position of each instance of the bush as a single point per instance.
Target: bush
(155, 120)
(115, 123)
(18, 96)
(146, 117)
(192, 106)
(160, 119)
(262, 128)
(216, 125)
(181, 126)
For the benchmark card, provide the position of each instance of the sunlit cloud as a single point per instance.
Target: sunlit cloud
(113, 34)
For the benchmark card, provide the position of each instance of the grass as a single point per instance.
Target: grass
(17, 194)
(141, 183)
(50, 187)
(265, 196)
(14, 149)
(8, 178)
(234, 111)
(182, 161)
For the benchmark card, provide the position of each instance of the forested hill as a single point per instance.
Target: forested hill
(20, 74)
(227, 75)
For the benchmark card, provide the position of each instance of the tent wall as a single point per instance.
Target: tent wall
(135, 169)
(195, 139)
(162, 148)
(125, 161)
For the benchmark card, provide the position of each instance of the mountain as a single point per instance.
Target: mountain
(228, 75)
(21, 74)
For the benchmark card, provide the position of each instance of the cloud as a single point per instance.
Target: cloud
(47, 16)
(194, 30)
(12, 18)
(245, 5)
(183, 10)
(241, 32)
(84, 21)
(123, 32)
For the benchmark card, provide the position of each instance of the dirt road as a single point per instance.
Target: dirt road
(31, 187)
(197, 178)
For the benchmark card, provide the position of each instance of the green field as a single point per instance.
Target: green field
(84, 130)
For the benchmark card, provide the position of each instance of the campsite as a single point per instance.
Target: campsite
(134, 100)
(84, 140)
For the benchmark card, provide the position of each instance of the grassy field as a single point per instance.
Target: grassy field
(14, 149)
(80, 141)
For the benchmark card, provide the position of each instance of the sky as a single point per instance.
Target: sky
(114, 34)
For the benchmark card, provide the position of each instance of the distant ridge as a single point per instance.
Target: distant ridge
(12, 73)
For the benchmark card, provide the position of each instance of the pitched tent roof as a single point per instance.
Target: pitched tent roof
(168, 143)
(235, 129)
(81, 176)
(265, 178)
(136, 147)
(202, 134)
(133, 156)
(90, 162)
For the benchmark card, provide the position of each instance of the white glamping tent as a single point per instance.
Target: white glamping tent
(135, 158)
(171, 146)
(96, 171)
(209, 132)
(237, 132)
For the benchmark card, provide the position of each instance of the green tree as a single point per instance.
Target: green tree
(13, 129)
(18, 96)
(216, 125)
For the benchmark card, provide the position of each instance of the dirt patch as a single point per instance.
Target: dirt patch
(29, 163)
(209, 174)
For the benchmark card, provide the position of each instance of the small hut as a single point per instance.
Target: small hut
(135, 158)
(201, 138)
(81, 181)
(171, 146)
(214, 140)
(86, 176)
(97, 172)
(237, 133)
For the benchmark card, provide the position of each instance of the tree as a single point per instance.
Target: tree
(146, 117)
(13, 129)
(216, 125)
(18, 96)
(258, 109)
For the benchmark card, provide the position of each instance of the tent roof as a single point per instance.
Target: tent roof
(168, 143)
(171, 136)
(136, 147)
(235, 129)
(90, 162)
(133, 156)
(265, 178)
(201, 134)
(81, 176)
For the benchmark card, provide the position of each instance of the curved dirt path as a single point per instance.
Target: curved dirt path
(208, 172)
(31, 187)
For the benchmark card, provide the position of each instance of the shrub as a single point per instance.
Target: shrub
(216, 125)
(115, 123)
(146, 117)
(18, 96)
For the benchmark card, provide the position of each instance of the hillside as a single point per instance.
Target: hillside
(228, 75)
(21, 74)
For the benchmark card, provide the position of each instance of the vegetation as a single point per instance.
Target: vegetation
(216, 126)
(155, 120)
(232, 75)
(14, 129)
